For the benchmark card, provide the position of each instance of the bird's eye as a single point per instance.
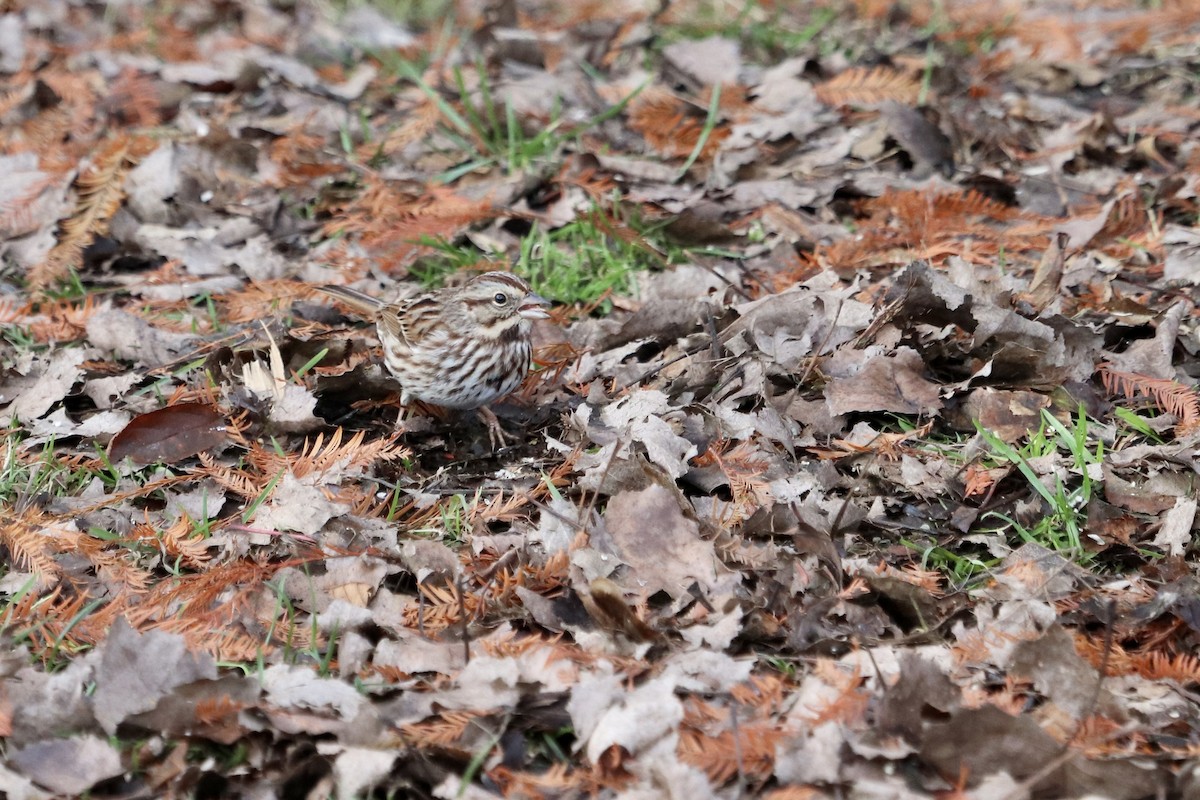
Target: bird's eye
(500, 298)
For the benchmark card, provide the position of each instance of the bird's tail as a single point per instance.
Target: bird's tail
(360, 302)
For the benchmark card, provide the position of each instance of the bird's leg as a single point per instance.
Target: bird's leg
(402, 419)
(496, 435)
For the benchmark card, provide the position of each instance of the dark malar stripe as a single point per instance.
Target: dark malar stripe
(505, 330)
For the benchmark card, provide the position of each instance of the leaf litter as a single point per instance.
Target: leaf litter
(859, 460)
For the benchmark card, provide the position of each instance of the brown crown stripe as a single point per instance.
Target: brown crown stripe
(506, 278)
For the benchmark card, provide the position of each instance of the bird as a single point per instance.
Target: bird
(458, 347)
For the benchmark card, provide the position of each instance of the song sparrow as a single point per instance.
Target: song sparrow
(459, 347)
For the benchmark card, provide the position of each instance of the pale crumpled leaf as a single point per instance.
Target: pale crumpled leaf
(662, 774)
(490, 683)
(719, 631)
(1033, 570)
(866, 381)
(299, 504)
(536, 666)
(137, 670)
(106, 392)
(68, 766)
(1057, 672)
(662, 546)
(358, 768)
(12, 43)
(1154, 357)
(413, 654)
(425, 558)
(1083, 228)
(814, 756)
(596, 692)
(556, 529)
(15, 786)
(746, 195)
(57, 375)
(709, 61)
(819, 311)
(456, 788)
(57, 424)
(202, 502)
(639, 419)
(1182, 263)
(202, 73)
(341, 616)
(374, 31)
(292, 412)
(1175, 533)
(209, 252)
(152, 183)
(1036, 344)
(45, 705)
(708, 671)
(593, 564)
(639, 720)
(291, 405)
(496, 683)
(291, 687)
(784, 105)
(133, 339)
(735, 424)
(353, 579)
(260, 259)
(1004, 625)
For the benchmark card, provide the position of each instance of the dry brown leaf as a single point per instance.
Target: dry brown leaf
(169, 434)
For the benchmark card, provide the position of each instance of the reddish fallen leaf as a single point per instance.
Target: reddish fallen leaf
(169, 434)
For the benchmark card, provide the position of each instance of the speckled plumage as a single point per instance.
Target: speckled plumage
(459, 347)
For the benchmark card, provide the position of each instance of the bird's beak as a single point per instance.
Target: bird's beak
(534, 307)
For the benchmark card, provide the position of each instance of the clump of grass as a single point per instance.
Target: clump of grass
(959, 567)
(580, 262)
(593, 255)
(1063, 527)
(766, 32)
(24, 477)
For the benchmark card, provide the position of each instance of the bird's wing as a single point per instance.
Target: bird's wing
(362, 303)
(414, 318)
(409, 319)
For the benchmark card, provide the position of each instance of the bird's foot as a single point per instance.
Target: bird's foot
(496, 435)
